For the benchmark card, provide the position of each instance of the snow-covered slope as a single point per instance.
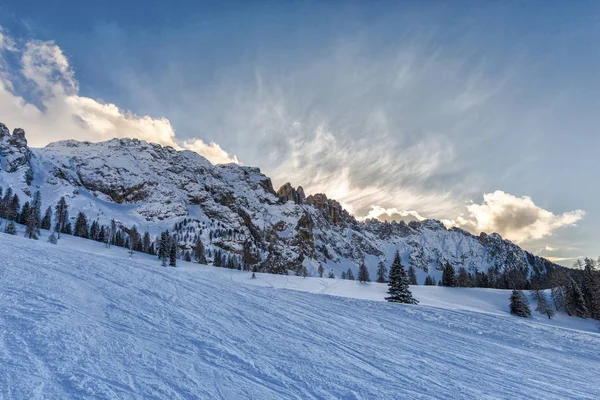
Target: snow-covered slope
(155, 187)
(78, 321)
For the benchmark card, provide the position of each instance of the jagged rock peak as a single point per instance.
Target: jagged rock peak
(3, 131)
(288, 193)
(331, 209)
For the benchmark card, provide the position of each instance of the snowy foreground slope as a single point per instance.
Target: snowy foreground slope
(81, 321)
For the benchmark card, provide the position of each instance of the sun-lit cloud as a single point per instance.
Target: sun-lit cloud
(61, 113)
(393, 214)
(517, 218)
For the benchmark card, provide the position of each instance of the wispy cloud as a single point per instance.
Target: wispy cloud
(61, 113)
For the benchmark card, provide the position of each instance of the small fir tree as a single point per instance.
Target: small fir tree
(398, 289)
(363, 273)
(52, 238)
(350, 274)
(11, 228)
(448, 276)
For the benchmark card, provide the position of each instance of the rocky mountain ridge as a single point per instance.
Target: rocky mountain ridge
(155, 187)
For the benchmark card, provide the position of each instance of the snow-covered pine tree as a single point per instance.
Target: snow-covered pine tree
(52, 238)
(35, 216)
(429, 281)
(320, 270)
(343, 276)
(381, 272)
(519, 305)
(398, 289)
(412, 276)
(331, 275)
(11, 228)
(363, 273)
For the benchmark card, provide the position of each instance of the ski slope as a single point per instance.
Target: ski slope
(81, 321)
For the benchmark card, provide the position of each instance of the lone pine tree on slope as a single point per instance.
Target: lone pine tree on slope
(363, 273)
(398, 284)
(519, 305)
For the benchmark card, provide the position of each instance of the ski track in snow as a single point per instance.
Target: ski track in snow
(81, 321)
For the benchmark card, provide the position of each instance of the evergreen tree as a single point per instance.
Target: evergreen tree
(448, 276)
(344, 275)
(163, 247)
(36, 209)
(30, 231)
(543, 306)
(173, 254)
(187, 256)
(398, 289)
(429, 281)
(217, 258)
(146, 242)
(350, 274)
(11, 228)
(52, 238)
(47, 220)
(24, 215)
(81, 226)
(12, 212)
(247, 256)
(331, 275)
(94, 230)
(381, 272)
(363, 273)
(464, 279)
(200, 257)
(412, 276)
(320, 270)
(519, 305)
(574, 301)
(68, 229)
(61, 215)
(591, 289)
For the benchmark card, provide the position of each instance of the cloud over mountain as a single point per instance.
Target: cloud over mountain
(54, 109)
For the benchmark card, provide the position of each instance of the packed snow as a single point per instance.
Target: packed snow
(78, 320)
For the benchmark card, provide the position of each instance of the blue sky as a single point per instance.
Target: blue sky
(484, 114)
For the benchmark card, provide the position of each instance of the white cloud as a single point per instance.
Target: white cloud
(61, 113)
(516, 218)
(393, 214)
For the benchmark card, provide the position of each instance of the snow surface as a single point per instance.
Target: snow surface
(79, 321)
